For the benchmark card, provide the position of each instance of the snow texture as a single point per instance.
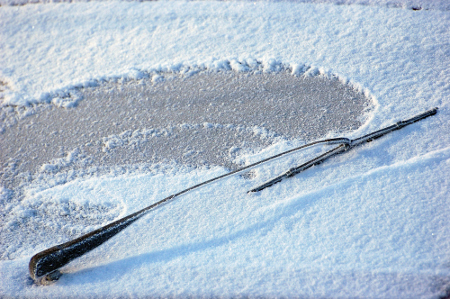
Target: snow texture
(372, 223)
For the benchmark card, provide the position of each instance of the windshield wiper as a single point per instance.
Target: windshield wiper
(44, 266)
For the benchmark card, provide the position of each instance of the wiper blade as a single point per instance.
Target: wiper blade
(343, 147)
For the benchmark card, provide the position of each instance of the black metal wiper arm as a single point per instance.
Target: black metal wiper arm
(44, 266)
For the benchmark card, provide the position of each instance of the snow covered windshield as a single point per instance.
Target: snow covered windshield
(107, 107)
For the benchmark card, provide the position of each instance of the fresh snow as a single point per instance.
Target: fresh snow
(371, 223)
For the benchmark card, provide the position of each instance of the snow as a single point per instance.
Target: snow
(369, 223)
(98, 44)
